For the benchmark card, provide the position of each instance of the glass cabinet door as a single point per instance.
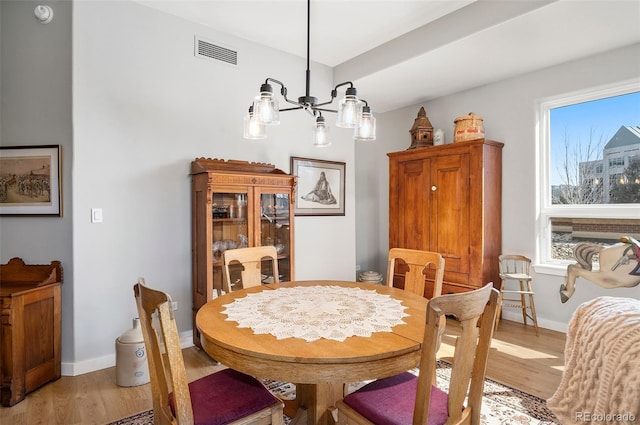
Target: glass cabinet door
(235, 225)
(230, 228)
(275, 230)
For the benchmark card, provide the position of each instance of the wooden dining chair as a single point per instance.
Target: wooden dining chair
(251, 260)
(223, 397)
(411, 263)
(408, 399)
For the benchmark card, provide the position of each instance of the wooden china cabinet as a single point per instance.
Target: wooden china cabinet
(237, 204)
(448, 199)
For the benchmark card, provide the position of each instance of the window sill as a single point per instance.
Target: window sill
(558, 269)
(551, 269)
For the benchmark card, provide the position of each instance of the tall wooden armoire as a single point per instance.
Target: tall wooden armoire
(448, 199)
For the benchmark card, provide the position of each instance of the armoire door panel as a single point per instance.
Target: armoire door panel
(450, 210)
(413, 201)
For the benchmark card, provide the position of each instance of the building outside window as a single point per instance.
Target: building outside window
(589, 170)
(600, 177)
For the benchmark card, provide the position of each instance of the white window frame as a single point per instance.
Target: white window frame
(546, 210)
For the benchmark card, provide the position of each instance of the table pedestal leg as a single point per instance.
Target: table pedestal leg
(290, 407)
(316, 399)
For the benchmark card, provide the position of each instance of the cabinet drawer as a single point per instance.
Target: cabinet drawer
(449, 288)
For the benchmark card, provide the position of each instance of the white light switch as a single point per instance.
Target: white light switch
(96, 215)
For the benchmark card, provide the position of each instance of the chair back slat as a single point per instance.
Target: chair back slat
(511, 264)
(416, 262)
(251, 260)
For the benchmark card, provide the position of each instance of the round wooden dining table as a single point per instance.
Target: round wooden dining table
(321, 367)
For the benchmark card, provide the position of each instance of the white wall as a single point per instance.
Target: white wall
(144, 108)
(509, 111)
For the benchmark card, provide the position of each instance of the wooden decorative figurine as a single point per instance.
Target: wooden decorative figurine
(421, 131)
(619, 266)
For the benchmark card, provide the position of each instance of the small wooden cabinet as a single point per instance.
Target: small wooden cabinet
(237, 204)
(448, 199)
(30, 334)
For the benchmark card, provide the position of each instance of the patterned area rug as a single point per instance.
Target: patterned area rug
(501, 404)
(144, 418)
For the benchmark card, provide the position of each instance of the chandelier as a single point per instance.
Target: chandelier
(352, 112)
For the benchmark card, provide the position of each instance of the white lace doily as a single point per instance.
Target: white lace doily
(314, 312)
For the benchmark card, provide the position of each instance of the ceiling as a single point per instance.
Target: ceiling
(400, 53)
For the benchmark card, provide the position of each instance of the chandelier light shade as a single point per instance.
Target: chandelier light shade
(253, 127)
(265, 106)
(349, 109)
(352, 112)
(366, 130)
(321, 133)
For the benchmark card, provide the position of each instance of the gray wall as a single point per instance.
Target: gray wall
(509, 111)
(35, 71)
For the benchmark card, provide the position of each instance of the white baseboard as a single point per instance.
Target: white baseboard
(516, 316)
(104, 362)
(86, 366)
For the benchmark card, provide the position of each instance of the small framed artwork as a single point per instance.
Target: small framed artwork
(30, 180)
(320, 187)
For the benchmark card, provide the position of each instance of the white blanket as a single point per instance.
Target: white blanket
(601, 379)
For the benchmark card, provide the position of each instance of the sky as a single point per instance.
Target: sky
(603, 118)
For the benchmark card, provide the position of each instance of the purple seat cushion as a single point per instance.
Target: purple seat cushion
(390, 401)
(226, 396)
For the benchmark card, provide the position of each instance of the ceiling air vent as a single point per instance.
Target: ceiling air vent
(206, 50)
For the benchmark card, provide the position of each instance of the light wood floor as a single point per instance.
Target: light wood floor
(518, 358)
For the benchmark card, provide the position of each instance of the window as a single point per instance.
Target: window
(616, 162)
(589, 171)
